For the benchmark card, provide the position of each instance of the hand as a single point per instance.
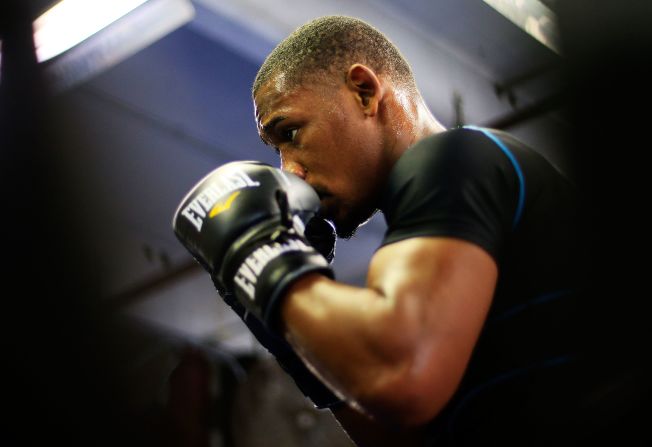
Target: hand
(244, 223)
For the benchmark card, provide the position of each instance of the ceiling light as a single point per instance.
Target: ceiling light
(70, 22)
(531, 16)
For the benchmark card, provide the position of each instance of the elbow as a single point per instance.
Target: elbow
(410, 405)
(411, 385)
(411, 395)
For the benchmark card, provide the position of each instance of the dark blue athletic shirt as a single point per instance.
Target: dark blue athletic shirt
(487, 188)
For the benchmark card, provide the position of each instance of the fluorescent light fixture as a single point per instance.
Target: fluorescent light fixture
(90, 36)
(531, 16)
(70, 22)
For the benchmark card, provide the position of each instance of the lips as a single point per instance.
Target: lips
(321, 193)
(325, 201)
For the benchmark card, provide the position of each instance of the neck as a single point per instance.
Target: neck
(410, 122)
(426, 123)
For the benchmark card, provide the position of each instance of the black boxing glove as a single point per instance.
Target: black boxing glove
(309, 384)
(321, 235)
(244, 223)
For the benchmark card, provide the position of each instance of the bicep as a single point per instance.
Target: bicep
(399, 347)
(444, 287)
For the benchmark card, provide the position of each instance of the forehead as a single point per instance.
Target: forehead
(269, 98)
(277, 95)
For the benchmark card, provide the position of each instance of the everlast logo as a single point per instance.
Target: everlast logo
(206, 202)
(247, 275)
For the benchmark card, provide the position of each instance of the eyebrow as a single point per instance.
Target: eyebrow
(267, 128)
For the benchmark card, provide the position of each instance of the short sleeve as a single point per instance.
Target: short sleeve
(462, 183)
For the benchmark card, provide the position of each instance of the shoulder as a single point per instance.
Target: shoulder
(449, 146)
(450, 156)
(459, 183)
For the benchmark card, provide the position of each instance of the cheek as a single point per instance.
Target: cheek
(366, 161)
(349, 152)
(357, 156)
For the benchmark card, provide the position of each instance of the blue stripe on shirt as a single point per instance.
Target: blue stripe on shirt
(517, 168)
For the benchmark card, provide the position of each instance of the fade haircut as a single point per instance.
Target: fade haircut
(332, 44)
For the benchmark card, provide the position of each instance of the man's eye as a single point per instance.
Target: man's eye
(290, 135)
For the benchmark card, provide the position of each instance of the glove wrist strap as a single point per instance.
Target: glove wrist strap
(264, 263)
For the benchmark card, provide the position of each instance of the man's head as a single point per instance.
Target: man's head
(330, 45)
(335, 99)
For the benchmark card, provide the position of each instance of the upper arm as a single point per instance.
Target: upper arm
(440, 290)
(399, 347)
(451, 204)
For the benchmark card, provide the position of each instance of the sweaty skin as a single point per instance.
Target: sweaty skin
(342, 139)
(397, 348)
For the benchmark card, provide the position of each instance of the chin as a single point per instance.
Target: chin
(347, 226)
(345, 231)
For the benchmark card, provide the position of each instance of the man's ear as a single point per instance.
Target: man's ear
(365, 85)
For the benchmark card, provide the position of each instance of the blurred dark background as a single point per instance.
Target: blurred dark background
(111, 333)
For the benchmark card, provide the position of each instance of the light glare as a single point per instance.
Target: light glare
(70, 22)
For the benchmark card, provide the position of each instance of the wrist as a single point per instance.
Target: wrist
(280, 279)
(298, 290)
(262, 270)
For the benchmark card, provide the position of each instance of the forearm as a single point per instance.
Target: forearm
(366, 432)
(354, 338)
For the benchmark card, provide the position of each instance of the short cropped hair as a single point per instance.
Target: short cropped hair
(333, 43)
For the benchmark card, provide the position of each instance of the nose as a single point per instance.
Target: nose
(293, 168)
